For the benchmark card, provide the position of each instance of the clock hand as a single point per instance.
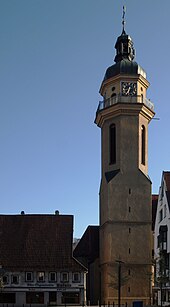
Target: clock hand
(128, 90)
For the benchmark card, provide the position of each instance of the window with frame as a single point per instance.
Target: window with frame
(52, 276)
(64, 277)
(163, 237)
(143, 145)
(14, 279)
(41, 276)
(112, 145)
(76, 277)
(167, 263)
(5, 279)
(29, 276)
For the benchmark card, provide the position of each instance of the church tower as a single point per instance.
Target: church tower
(125, 191)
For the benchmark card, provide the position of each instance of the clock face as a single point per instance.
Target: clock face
(129, 88)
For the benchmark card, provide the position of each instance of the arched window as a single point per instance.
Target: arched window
(143, 149)
(112, 148)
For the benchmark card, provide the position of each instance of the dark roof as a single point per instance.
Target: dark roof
(167, 180)
(123, 67)
(37, 242)
(88, 246)
(125, 54)
(124, 48)
(154, 209)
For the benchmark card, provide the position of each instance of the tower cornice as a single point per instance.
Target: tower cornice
(130, 109)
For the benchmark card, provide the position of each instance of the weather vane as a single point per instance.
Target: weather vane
(123, 18)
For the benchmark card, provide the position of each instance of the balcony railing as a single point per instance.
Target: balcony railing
(124, 99)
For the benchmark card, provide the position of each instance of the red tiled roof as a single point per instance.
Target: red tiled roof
(167, 179)
(37, 242)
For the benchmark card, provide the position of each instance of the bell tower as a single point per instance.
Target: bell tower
(125, 191)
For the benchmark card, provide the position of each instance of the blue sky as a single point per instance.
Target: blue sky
(53, 56)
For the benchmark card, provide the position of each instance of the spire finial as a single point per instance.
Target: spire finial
(123, 19)
(124, 44)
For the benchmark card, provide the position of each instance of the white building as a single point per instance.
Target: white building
(162, 243)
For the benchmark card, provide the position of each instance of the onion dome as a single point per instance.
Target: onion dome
(125, 54)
